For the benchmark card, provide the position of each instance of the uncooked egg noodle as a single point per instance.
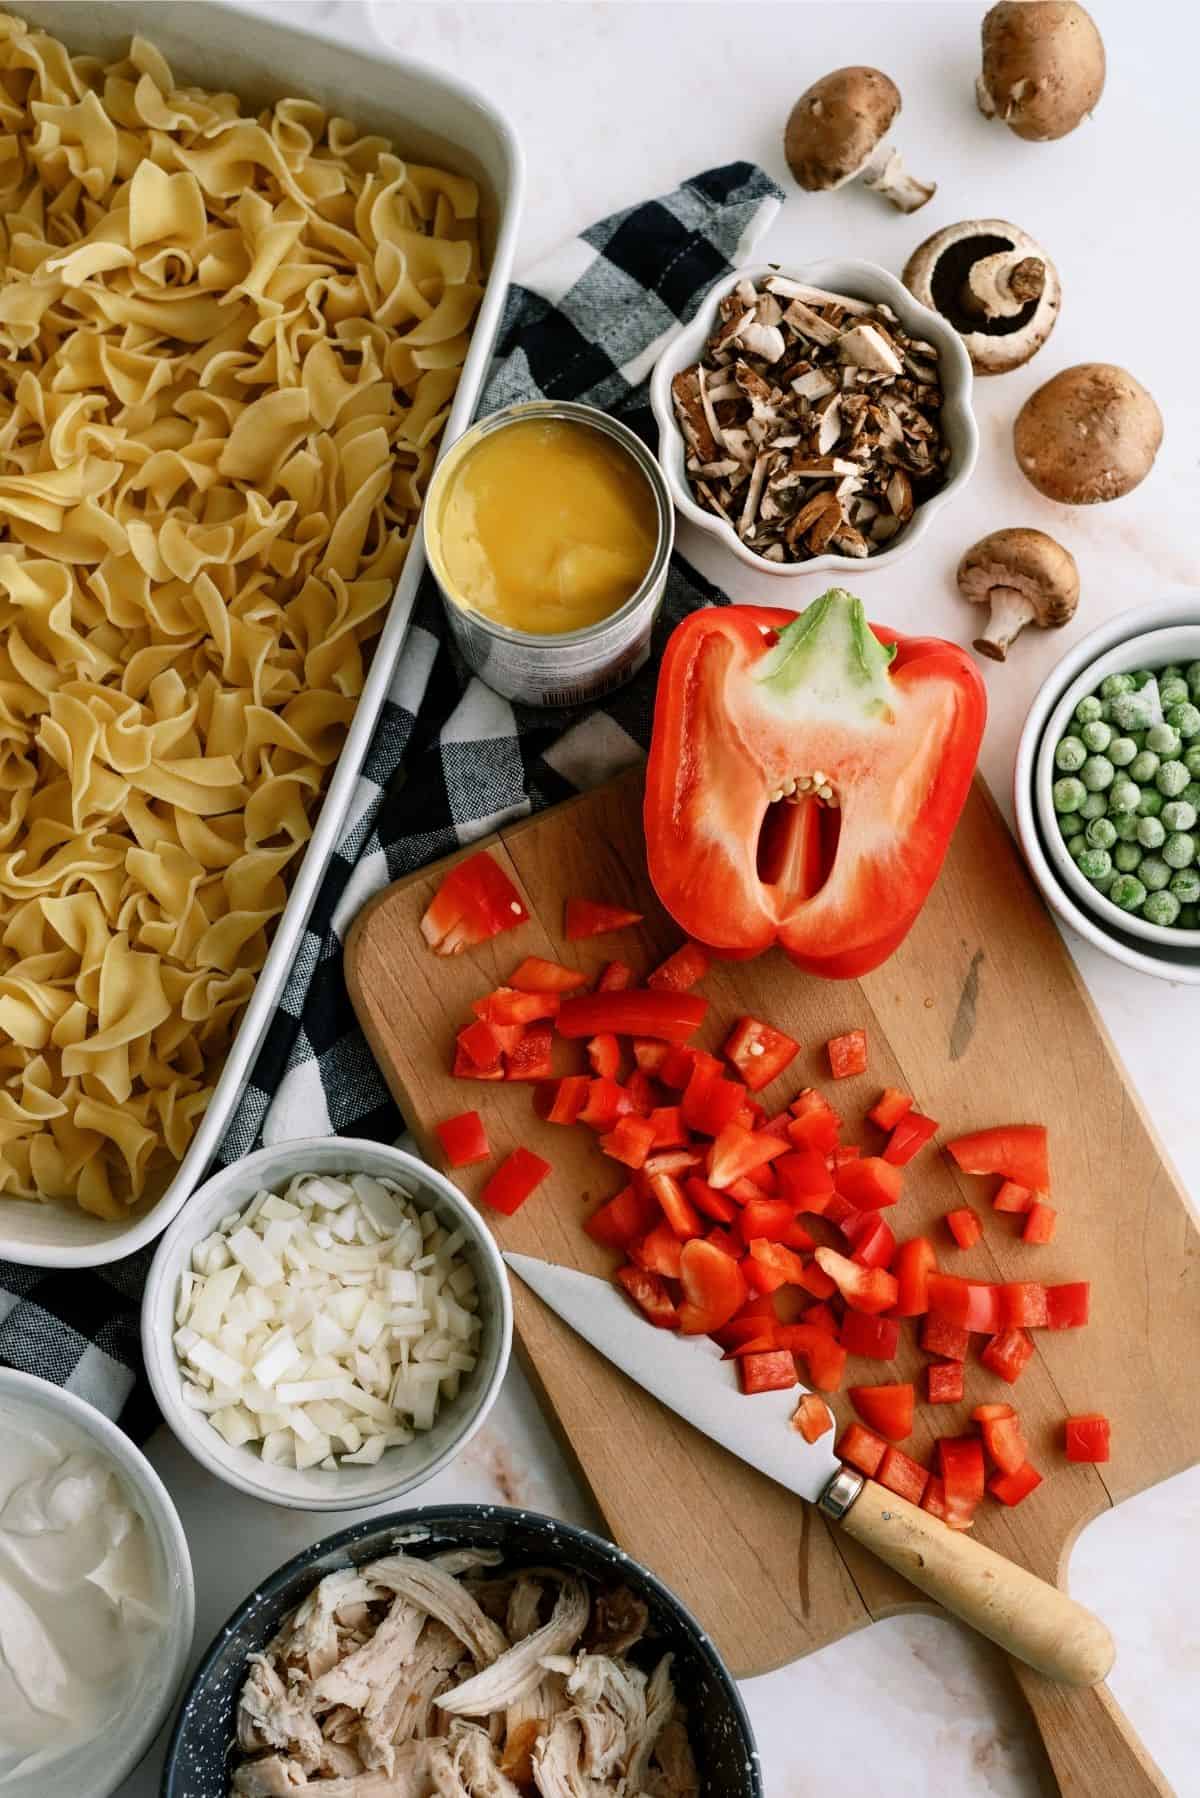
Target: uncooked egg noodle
(228, 346)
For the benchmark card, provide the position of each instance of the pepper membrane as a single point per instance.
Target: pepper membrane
(805, 776)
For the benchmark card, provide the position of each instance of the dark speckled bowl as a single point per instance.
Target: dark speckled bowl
(197, 1760)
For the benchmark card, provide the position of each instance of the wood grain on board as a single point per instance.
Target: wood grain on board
(980, 1013)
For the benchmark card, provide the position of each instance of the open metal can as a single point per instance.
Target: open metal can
(571, 667)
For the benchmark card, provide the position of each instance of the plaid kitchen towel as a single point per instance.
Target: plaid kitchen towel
(450, 760)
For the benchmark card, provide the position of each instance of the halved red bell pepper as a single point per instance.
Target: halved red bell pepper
(672, 1017)
(754, 704)
(909, 1137)
(630, 1141)
(889, 1108)
(1003, 1437)
(463, 1139)
(614, 978)
(964, 1226)
(903, 1476)
(681, 971)
(1011, 1197)
(536, 975)
(915, 1261)
(888, 1409)
(561, 1101)
(1018, 1151)
(586, 917)
(876, 1338)
(736, 1152)
(514, 1180)
(847, 1054)
(1040, 1221)
(945, 1381)
(972, 1304)
(1011, 1488)
(623, 1218)
(650, 1293)
(1007, 1353)
(812, 1418)
(773, 1372)
(759, 1052)
(531, 1059)
(1068, 1306)
(1023, 1305)
(823, 1354)
(862, 1448)
(1089, 1437)
(604, 1056)
(476, 900)
(868, 1182)
(950, 1341)
(870, 1237)
(869, 1289)
(815, 1124)
(714, 1288)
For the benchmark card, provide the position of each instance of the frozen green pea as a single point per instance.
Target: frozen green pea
(1088, 709)
(1123, 795)
(1112, 684)
(1076, 845)
(1101, 833)
(1153, 873)
(1192, 676)
(1171, 779)
(1127, 891)
(1094, 806)
(1097, 773)
(1121, 751)
(1185, 884)
(1151, 833)
(1150, 804)
(1172, 671)
(1179, 850)
(1141, 677)
(1069, 794)
(1185, 719)
(1106, 710)
(1132, 711)
(1069, 823)
(1189, 917)
(1191, 793)
(1164, 740)
(1178, 814)
(1071, 754)
(1125, 824)
(1126, 857)
(1191, 760)
(1094, 864)
(1160, 908)
(1144, 766)
(1097, 736)
(1172, 690)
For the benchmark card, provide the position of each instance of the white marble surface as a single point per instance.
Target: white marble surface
(614, 102)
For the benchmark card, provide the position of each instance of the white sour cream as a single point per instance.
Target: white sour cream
(81, 1593)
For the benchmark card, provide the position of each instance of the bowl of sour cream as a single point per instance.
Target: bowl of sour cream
(97, 1603)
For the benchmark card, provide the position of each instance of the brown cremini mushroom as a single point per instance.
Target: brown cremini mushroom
(836, 132)
(1090, 434)
(994, 284)
(1025, 578)
(1043, 67)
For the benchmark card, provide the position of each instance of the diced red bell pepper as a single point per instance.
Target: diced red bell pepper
(801, 1177)
(670, 1131)
(1023, 1305)
(964, 1226)
(615, 977)
(773, 1372)
(742, 1332)
(648, 1054)
(1011, 1488)
(679, 1212)
(759, 1052)
(824, 1356)
(1089, 1437)
(465, 1069)
(762, 1176)
(463, 1139)
(681, 971)
(475, 900)
(505, 1006)
(679, 1163)
(815, 1124)
(934, 1498)
(710, 1101)
(815, 1280)
(909, 1137)
(649, 1292)
(1040, 1222)
(821, 1318)
(876, 1338)
(871, 1238)
(903, 1476)
(675, 1070)
(869, 1183)
(623, 1218)
(672, 1017)
(643, 1092)
(531, 1059)
(714, 1288)
(941, 1338)
(604, 1056)
(915, 1260)
(1003, 1437)
(847, 1054)
(812, 1418)
(1068, 1306)
(769, 1218)
(606, 1101)
(960, 1459)
(561, 1101)
(757, 1313)
(586, 917)
(973, 1304)
(945, 1382)
(1011, 1197)
(887, 1409)
(1018, 1151)
(845, 1151)
(728, 1241)
(769, 1265)
(736, 1152)
(481, 1043)
(536, 975)
(890, 1107)
(861, 1448)
(712, 1203)
(762, 1344)
(658, 1251)
(630, 1141)
(869, 1289)
(1007, 1353)
(514, 1180)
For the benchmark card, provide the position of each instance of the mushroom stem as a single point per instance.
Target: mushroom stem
(999, 286)
(1010, 612)
(884, 173)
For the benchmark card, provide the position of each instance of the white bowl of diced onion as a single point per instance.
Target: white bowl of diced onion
(326, 1323)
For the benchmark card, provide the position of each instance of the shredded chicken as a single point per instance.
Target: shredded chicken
(401, 1679)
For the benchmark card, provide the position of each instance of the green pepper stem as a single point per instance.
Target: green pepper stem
(829, 656)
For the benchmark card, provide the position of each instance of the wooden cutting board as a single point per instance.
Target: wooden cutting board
(981, 1015)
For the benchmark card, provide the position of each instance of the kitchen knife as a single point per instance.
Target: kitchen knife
(1023, 1614)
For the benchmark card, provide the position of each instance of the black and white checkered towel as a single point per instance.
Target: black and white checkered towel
(450, 759)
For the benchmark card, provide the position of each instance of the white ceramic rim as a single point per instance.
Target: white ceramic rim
(859, 280)
(158, 1314)
(160, 1515)
(1140, 651)
(1181, 610)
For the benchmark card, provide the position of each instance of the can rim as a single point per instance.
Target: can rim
(597, 419)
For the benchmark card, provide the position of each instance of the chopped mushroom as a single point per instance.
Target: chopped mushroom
(1090, 434)
(994, 284)
(836, 133)
(1025, 578)
(1043, 67)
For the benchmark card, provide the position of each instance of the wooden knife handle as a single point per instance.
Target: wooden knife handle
(1091, 1748)
(1021, 1613)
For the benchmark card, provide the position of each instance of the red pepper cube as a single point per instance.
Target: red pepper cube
(681, 971)
(972, 1304)
(869, 1183)
(934, 1498)
(886, 1409)
(679, 1212)
(812, 1417)
(774, 1371)
(481, 1043)
(1040, 1222)
(586, 917)
(650, 1055)
(1017, 1151)
(709, 1102)
(821, 1318)
(531, 1059)
(875, 1338)
(941, 1338)
(769, 1218)
(825, 1357)
(606, 1102)
(871, 1238)
(670, 1131)
(658, 1251)
(465, 1069)
(537, 975)
(1003, 1437)
(1011, 1488)
(889, 1108)
(862, 1448)
(913, 1263)
(1007, 1354)
(726, 1241)
(1089, 1437)
(847, 1054)
(1023, 1305)
(1011, 1197)
(474, 901)
(737, 1152)
(604, 1056)
(869, 1289)
(463, 1139)
(616, 977)
(903, 1476)
(675, 1068)
(909, 1137)
(561, 1101)
(650, 1294)
(758, 1051)
(945, 1380)
(769, 1265)
(1068, 1307)
(630, 1141)
(815, 1124)
(814, 1279)
(801, 1175)
(960, 1460)
(712, 1203)
(506, 1006)
(622, 1219)
(964, 1226)
(514, 1180)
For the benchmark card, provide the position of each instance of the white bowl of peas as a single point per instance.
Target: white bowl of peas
(1108, 789)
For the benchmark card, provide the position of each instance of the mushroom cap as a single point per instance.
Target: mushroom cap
(1043, 66)
(1090, 434)
(836, 124)
(1027, 562)
(937, 270)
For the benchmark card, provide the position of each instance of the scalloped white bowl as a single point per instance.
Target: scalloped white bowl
(861, 281)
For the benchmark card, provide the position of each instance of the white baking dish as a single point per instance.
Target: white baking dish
(428, 115)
